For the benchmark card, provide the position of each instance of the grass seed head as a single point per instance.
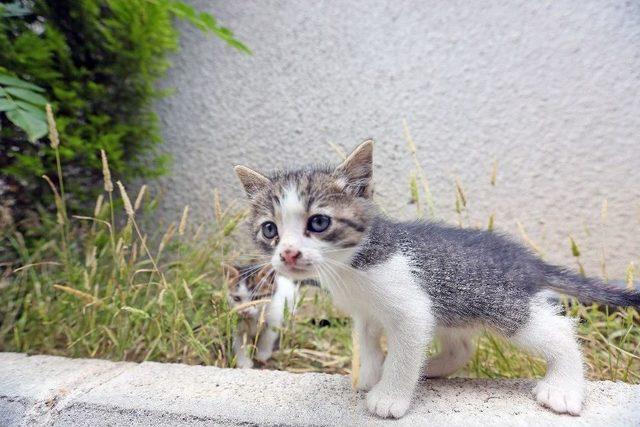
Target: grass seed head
(217, 206)
(183, 221)
(138, 202)
(125, 199)
(106, 173)
(53, 130)
(631, 270)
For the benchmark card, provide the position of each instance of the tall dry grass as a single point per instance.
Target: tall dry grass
(103, 286)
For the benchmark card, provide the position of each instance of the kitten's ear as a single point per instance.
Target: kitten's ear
(251, 180)
(230, 273)
(357, 168)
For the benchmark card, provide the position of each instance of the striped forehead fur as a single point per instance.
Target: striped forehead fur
(318, 187)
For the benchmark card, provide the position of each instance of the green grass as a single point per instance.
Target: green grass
(98, 287)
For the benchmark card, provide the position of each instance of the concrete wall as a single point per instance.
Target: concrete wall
(551, 89)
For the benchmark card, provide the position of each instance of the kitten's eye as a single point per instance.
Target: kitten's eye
(269, 230)
(236, 298)
(318, 223)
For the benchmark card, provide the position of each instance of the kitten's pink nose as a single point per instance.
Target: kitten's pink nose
(290, 256)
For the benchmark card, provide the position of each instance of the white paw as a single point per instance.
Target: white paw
(386, 405)
(244, 363)
(263, 356)
(558, 398)
(368, 379)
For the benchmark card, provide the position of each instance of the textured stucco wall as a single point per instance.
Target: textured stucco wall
(551, 89)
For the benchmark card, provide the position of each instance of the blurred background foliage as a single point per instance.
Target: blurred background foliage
(97, 63)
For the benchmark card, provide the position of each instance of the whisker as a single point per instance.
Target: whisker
(250, 271)
(335, 278)
(258, 285)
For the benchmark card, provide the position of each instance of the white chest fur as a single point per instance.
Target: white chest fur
(385, 298)
(379, 292)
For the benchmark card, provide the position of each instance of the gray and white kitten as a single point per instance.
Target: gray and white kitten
(418, 280)
(251, 283)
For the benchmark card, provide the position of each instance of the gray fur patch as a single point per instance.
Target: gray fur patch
(471, 276)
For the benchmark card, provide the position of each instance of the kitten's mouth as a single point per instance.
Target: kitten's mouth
(296, 271)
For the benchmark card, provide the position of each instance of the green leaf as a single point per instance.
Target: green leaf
(239, 45)
(7, 105)
(209, 20)
(16, 82)
(27, 95)
(227, 35)
(13, 10)
(225, 32)
(36, 111)
(32, 125)
(183, 10)
(574, 248)
(205, 21)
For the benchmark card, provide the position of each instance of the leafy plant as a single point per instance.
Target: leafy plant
(23, 105)
(97, 62)
(205, 22)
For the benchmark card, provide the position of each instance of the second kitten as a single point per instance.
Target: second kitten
(250, 283)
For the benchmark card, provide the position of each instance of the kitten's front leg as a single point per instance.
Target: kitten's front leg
(266, 342)
(371, 357)
(408, 335)
(240, 351)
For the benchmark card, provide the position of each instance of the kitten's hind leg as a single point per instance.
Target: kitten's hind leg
(457, 349)
(553, 336)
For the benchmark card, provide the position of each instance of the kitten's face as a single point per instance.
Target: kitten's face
(311, 220)
(246, 284)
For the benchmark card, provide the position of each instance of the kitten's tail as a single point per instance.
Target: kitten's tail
(589, 290)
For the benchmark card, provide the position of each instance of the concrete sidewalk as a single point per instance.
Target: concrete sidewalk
(46, 390)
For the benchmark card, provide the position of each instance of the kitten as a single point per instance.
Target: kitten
(251, 283)
(418, 280)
